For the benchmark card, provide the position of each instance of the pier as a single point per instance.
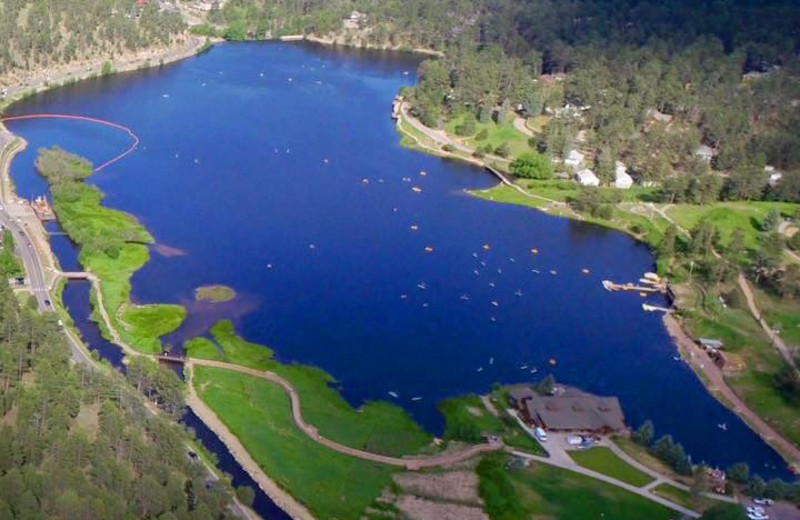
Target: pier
(613, 287)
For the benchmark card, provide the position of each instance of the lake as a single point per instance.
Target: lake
(284, 155)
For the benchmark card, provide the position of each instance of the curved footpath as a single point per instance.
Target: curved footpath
(412, 464)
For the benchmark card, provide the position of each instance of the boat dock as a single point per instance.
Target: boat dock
(42, 209)
(655, 308)
(613, 287)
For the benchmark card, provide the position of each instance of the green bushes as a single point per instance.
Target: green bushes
(532, 165)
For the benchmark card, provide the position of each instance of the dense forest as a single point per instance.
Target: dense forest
(42, 33)
(77, 443)
(644, 82)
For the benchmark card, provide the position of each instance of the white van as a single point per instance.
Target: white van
(540, 434)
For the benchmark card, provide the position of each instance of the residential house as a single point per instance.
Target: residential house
(705, 152)
(574, 159)
(622, 180)
(774, 175)
(586, 177)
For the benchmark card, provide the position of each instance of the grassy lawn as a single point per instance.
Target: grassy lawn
(603, 460)
(88, 223)
(781, 313)
(469, 410)
(679, 496)
(727, 216)
(641, 455)
(647, 229)
(330, 484)
(504, 133)
(558, 494)
(378, 427)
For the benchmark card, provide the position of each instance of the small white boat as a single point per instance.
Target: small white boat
(483, 263)
(534, 370)
(518, 292)
(535, 271)
(476, 272)
(491, 361)
(465, 296)
(495, 303)
(416, 398)
(553, 272)
(474, 255)
(499, 271)
(425, 304)
(524, 367)
(491, 284)
(480, 369)
(511, 260)
(723, 426)
(394, 394)
(493, 319)
(403, 296)
(422, 286)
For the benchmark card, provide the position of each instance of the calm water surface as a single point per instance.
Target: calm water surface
(256, 154)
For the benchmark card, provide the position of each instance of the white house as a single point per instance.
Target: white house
(704, 152)
(586, 177)
(574, 159)
(622, 180)
(774, 175)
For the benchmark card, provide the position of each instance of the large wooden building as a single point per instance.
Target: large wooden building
(569, 410)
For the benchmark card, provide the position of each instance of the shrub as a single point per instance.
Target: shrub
(503, 150)
(532, 165)
(448, 148)
(484, 134)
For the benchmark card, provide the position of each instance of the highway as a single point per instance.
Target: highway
(26, 250)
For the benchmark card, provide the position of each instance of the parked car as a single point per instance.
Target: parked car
(757, 516)
(540, 434)
(763, 501)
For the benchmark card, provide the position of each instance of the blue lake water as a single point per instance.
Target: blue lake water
(255, 155)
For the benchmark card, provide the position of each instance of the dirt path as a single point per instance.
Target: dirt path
(776, 340)
(716, 383)
(412, 464)
(520, 124)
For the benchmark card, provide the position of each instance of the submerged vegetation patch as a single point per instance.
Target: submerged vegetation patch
(214, 293)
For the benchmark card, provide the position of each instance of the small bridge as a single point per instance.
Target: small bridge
(77, 275)
(172, 358)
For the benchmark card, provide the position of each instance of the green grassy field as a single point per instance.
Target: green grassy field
(603, 460)
(331, 485)
(378, 427)
(92, 226)
(727, 216)
(640, 454)
(781, 313)
(557, 494)
(499, 134)
(679, 496)
(469, 410)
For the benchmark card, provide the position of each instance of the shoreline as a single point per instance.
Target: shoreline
(708, 373)
(237, 450)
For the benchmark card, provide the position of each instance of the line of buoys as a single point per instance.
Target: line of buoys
(90, 120)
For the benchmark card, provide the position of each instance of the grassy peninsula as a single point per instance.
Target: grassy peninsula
(113, 246)
(258, 413)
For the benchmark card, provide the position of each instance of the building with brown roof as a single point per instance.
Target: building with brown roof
(569, 411)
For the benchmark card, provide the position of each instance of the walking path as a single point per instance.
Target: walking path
(521, 124)
(716, 383)
(784, 350)
(412, 464)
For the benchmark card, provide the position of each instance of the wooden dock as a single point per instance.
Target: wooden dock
(613, 287)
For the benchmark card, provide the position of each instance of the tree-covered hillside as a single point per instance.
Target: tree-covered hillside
(637, 80)
(43, 33)
(78, 444)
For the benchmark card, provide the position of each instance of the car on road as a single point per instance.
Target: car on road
(763, 501)
(540, 434)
